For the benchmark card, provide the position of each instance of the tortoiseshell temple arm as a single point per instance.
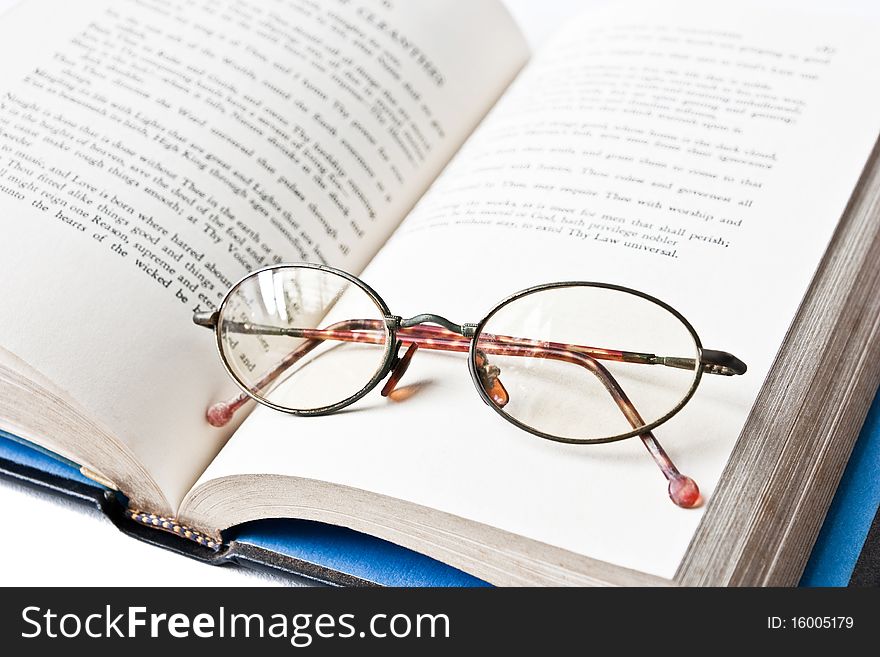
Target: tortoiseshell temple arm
(435, 337)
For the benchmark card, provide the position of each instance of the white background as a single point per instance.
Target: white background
(47, 540)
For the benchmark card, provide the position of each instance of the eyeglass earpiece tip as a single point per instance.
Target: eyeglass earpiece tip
(219, 414)
(684, 492)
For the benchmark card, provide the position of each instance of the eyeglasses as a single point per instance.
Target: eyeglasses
(571, 362)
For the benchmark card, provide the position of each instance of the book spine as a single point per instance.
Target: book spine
(172, 526)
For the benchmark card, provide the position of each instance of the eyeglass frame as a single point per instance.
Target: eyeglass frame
(708, 360)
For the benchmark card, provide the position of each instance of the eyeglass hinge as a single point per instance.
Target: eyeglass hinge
(468, 330)
(393, 322)
(207, 318)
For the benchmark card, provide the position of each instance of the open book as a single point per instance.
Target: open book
(153, 152)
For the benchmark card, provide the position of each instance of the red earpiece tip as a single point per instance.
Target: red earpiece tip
(684, 492)
(219, 414)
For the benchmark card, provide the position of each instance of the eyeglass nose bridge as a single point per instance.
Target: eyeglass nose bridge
(467, 330)
(400, 363)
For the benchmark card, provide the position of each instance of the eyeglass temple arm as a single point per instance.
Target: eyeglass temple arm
(712, 361)
(682, 489)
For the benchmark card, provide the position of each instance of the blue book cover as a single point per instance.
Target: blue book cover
(849, 518)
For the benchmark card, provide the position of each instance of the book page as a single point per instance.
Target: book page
(153, 152)
(700, 156)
